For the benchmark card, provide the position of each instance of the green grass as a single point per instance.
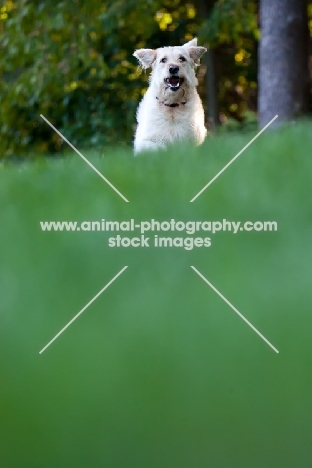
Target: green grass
(159, 371)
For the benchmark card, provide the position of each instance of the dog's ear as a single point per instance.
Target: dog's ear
(146, 57)
(191, 43)
(196, 52)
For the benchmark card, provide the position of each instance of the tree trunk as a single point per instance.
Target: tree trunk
(211, 82)
(283, 60)
(212, 89)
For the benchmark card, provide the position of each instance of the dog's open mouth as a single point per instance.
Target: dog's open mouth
(174, 82)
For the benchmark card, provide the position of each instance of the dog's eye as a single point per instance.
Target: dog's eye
(182, 59)
(163, 60)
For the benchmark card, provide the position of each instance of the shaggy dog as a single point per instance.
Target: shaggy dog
(171, 108)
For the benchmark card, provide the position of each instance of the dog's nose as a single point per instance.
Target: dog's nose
(173, 69)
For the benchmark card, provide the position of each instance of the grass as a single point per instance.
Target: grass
(159, 371)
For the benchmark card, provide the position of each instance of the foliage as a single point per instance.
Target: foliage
(230, 21)
(70, 62)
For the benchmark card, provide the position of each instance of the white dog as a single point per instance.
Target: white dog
(171, 108)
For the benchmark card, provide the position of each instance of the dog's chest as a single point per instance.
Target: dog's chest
(173, 122)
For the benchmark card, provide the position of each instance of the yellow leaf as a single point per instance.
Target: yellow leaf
(190, 11)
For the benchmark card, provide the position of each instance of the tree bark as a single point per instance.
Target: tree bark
(212, 89)
(211, 81)
(283, 60)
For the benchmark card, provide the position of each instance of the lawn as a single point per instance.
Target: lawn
(159, 371)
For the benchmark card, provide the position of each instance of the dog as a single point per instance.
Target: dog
(171, 109)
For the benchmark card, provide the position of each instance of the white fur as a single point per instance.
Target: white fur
(158, 124)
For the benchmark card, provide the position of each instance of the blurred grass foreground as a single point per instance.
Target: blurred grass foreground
(158, 371)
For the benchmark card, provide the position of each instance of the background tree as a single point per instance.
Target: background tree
(205, 8)
(283, 59)
(230, 30)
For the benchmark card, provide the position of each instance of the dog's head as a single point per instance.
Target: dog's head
(173, 73)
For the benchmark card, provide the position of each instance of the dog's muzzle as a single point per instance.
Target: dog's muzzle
(174, 82)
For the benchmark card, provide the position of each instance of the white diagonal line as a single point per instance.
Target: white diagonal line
(235, 310)
(235, 157)
(85, 159)
(82, 310)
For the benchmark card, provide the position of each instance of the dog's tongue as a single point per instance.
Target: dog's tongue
(174, 80)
